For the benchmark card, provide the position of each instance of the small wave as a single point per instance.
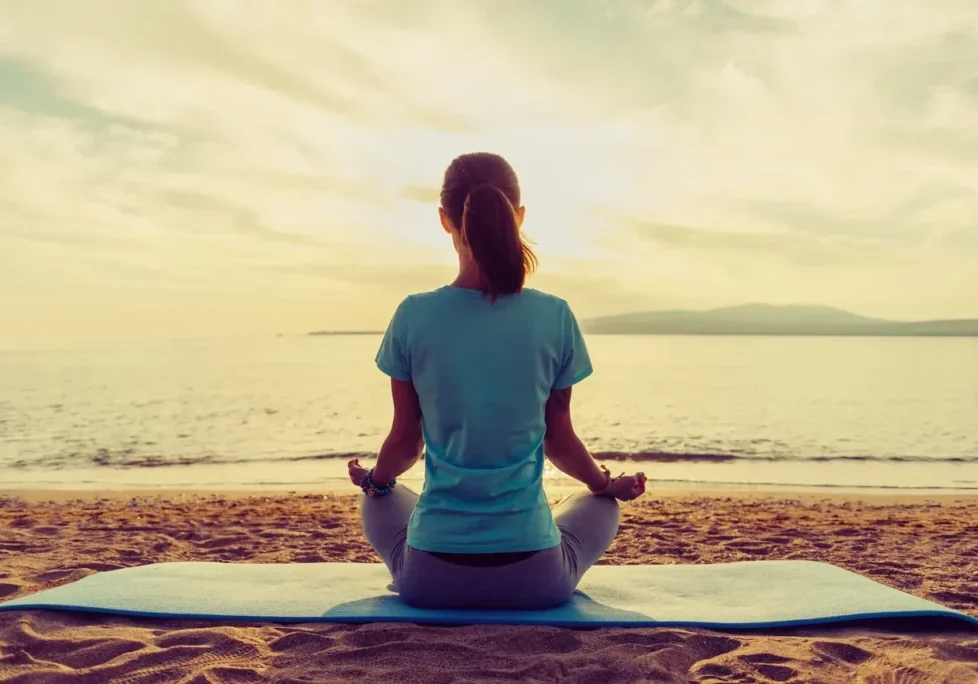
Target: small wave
(682, 457)
(664, 457)
(103, 458)
(697, 457)
(736, 484)
(347, 455)
(126, 459)
(158, 462)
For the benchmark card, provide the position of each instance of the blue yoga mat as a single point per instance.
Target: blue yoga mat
(737, 595)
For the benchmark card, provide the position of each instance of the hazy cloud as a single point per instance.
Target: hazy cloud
(792, 246)
(672, 152)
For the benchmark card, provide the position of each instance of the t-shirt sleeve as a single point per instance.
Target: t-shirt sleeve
(575, 362)
(393, 357)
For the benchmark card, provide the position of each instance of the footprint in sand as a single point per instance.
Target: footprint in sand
(722, 673)
(652, 640)
(899, 675)
(847, 653)
(219, 542)
(209, 639)
(769, 665)
(889, 564)
(99, 567)
(955, 597)
(966, 653)
(544, 640)
(305, 643)
(228, 673)
(164, 664)
(364, 638)
(448, 653)
(7, 589)
(764, 658)
(705, 646)
(94, 653)
(750, 547)
(58, 575)
(777, 673)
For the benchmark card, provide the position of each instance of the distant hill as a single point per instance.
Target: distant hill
(766, 319)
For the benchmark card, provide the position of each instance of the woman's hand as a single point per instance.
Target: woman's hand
(357, 471)
(627, 487)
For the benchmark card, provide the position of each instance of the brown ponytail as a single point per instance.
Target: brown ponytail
(480, 195)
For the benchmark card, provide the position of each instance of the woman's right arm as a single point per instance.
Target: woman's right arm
(564, 448)
(560, 443)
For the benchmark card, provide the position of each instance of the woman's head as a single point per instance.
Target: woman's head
(480, 206)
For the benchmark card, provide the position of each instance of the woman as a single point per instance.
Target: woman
(481, 374)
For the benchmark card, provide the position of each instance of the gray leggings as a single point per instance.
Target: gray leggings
(546, 579)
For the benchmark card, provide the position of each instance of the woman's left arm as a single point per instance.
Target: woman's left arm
(404, 444)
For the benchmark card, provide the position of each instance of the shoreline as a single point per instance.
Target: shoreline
(884, 498)
(848, 477)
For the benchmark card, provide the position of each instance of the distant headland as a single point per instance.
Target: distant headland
(767, 319)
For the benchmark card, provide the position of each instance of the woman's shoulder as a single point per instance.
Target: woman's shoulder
(424, 296)
(545, 298)
(429, 300)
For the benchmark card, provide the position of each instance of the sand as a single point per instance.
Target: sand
(928, 547)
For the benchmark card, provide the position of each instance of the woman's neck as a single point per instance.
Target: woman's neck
(468, 277)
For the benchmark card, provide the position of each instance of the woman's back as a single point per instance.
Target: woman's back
(483, 371)
(481, 379)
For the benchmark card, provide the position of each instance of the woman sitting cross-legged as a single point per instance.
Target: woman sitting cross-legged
(481, 374)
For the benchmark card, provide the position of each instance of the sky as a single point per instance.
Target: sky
(218, 167)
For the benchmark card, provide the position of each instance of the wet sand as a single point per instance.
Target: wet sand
(925, 545)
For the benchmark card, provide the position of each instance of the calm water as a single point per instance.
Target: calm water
(700, 411)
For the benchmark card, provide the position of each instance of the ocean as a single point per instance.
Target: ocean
(286, 412)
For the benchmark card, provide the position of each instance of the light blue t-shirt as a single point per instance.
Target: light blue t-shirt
(483, 372)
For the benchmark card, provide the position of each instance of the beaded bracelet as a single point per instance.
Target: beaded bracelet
(607, 482)
(370, 489)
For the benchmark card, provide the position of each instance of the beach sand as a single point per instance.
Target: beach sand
(928, 547)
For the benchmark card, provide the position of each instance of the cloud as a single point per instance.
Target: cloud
(792, 247)
(670, 151)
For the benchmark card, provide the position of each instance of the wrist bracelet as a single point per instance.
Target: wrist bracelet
(607, 482)
(371, 489)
